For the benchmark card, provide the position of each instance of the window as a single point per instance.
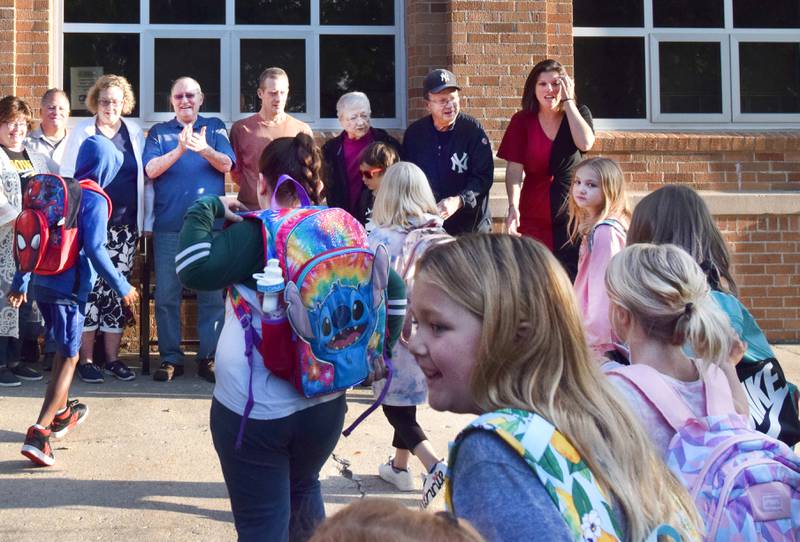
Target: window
(641, 63)
(328, 48)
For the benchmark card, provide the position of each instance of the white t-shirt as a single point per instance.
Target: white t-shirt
(274, 398)
(661, 432)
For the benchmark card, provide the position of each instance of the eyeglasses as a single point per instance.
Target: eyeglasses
(106, 103)
(187, 95)
(371, 173)
(357, 116)
(12, 125)
(441, 103)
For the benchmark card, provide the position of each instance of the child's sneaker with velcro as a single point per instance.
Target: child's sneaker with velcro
(434, 483)
(37, 446)
(64, 422)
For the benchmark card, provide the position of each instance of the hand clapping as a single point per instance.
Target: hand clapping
(197, 140)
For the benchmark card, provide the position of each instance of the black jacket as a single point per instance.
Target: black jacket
(467, 167)
(334, 174)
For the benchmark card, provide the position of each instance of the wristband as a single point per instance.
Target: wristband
(567, 99)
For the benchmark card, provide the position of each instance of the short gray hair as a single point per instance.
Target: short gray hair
(352, 100)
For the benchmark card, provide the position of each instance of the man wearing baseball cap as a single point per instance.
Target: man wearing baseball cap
(455, 154)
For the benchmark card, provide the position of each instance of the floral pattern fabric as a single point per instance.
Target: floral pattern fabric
(563, 473)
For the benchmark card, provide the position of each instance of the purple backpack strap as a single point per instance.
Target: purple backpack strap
(378, 401)
(658, 393)
(245, 317)
(305, 201)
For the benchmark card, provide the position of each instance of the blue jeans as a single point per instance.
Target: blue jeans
(273, 480)
(210, 306)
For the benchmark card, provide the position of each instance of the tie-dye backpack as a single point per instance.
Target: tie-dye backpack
(746, 484)
(566, 477)
(331, 337)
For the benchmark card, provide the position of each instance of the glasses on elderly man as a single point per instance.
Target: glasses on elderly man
(187, 95)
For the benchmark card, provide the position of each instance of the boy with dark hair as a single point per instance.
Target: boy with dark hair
(62, 298)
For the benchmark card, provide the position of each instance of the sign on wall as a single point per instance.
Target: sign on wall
(81, 80)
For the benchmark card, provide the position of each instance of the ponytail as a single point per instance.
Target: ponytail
(666, 292)
(298, 157)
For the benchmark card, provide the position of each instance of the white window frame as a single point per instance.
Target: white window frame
(758, 36)
(655, 108)
(729, 38)
(230, 35)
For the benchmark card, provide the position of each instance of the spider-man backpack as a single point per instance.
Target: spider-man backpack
(46, 231)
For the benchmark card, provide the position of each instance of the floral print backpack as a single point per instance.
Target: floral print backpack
(565, 476)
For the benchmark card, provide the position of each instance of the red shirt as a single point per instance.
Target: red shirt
(526, 143)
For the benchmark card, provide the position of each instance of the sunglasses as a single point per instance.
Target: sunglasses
(371, 173)
(187, 95)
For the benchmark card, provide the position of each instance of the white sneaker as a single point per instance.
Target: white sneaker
(434, 483)
(401, 479)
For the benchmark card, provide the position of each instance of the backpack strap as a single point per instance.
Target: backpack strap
(719, 397)
(92, 186)
(305, 201)
(658, 393)
(565, 476)
(245, 316)
(613, 223)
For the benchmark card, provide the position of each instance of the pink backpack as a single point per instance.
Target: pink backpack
(745, 484)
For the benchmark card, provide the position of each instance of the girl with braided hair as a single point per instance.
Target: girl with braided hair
(273, 475)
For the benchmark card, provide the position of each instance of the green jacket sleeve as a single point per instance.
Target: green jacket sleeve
(209, 260)
(395, 308)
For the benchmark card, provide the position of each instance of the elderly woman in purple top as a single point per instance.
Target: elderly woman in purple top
(341, 155)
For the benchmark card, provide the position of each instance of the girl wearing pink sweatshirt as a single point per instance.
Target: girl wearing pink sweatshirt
(598, 216)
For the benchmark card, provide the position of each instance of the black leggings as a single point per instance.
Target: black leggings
(407, 432)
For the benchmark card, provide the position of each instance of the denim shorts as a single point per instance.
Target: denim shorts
(66, 324)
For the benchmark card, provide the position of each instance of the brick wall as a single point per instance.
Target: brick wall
(706, 161)
(766, 258)
(24, 49)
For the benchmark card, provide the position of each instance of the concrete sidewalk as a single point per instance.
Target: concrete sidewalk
(143, 467)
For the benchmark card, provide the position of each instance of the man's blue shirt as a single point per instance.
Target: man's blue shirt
(188, 179)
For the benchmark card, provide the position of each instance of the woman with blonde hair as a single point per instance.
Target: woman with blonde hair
(404, 216)
(554, 455)
(110, 98)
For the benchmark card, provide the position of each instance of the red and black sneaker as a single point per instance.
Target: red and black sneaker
(66, 421)
(37, 446)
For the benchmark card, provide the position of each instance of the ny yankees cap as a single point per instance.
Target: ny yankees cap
(438, 80)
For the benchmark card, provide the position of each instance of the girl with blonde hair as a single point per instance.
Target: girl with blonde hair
(598, 216)
(404, 214)
(660, 301)
(498, 334)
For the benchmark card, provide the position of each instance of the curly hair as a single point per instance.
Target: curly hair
(298, 157)
(108, 81)
(11, 107)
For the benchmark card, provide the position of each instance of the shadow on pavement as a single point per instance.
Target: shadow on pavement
(121, 494)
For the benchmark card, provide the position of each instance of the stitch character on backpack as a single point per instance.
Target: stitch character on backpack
(598, 215)
(334, 298)
(46, 231)
(746, 484)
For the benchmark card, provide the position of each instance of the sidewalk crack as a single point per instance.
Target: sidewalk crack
(343, 465)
